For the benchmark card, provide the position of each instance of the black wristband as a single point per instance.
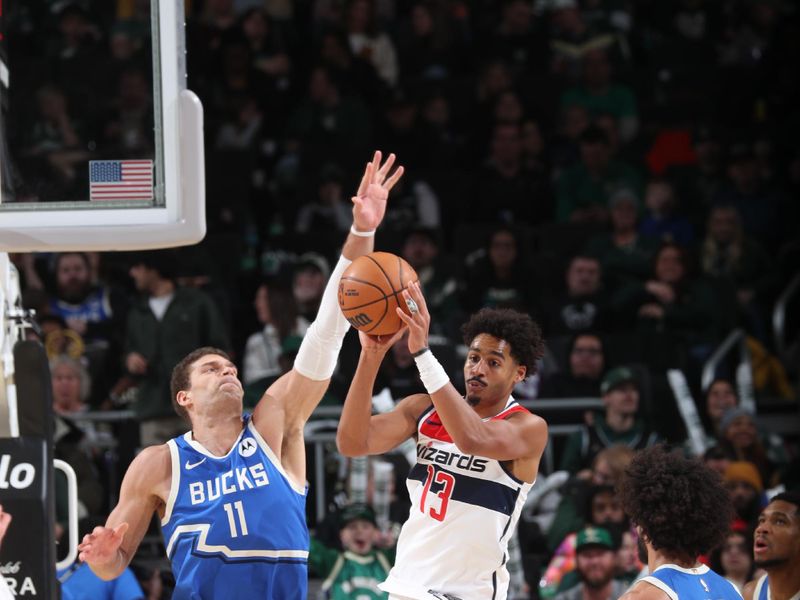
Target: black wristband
(420, 352)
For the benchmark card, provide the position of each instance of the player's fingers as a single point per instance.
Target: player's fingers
(357, 201)
(375, 165)
(422, 302)
(394, 178)
(365, 178)
(386, 167)
(407, 319)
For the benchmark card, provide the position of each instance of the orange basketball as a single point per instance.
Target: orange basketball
(370, 290)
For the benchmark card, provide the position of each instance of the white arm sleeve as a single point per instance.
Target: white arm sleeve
(317, 356)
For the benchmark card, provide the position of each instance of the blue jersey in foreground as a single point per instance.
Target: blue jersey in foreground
(698, 583)
(235, 525)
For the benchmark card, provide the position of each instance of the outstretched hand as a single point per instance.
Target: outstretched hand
(100, 547)
(369, 203)
(419, 321)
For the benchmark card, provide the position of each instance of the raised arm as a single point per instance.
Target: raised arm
(108, 550)
(288, 403)
(521, 435)
(359, 432)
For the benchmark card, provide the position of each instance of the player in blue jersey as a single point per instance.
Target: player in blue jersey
(231, 492)
(776, 548)
(681, 510)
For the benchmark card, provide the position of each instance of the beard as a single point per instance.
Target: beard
(770, 562)
(596, 584)
(473, 401)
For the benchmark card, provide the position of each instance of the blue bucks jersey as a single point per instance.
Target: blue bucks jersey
(698, 583)
(762, 589)
(234, 526)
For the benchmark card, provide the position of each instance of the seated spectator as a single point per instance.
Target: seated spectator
(740, 440)
(721, 396)
(745, 487)
(573, 510)
(661, 220)
(277, 313)
(572, 38)
(599, 94)
(505, 190)
(583, 191)
(414, 204)
(71, 385)
(620, 423)
(439, 278)
(585, 370)
(697, 184)
(595, 564)
(583, 305)
(716, 460)
(628, 564)
(624, 253)
(731, 256)
(128, 130)
(499, 277)
(674, 301)
(355, 572)
(94, 310)
(55, 148)
(734, 559)
(329, 122)
(308, 282)
(573, 121)
(603, 510)
(760, 207)
(368, 41)
(328, 216)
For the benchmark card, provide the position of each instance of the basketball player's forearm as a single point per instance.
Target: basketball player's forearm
(110, 569)
(357, 245)
(352, 435)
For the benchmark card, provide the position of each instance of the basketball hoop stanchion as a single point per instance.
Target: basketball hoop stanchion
(28, 555)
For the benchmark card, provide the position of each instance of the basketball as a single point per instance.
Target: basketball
(370, 290)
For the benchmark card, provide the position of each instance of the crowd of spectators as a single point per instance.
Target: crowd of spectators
(625, 171)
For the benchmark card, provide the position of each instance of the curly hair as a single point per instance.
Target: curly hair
(521, 332)
(180, 380)
(680, 504)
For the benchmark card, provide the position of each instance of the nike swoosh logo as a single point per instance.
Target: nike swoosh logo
(189, 466)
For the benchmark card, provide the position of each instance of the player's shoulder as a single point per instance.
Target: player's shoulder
(748, 593)
(642, 590)
(153, 464)
(527, 419)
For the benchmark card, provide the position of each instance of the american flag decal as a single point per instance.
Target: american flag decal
(120, 180)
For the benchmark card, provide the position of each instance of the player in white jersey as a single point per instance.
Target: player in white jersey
(477, 455)
(681, 511)
(221, 552)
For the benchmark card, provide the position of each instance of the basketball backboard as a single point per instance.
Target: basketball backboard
(101, 144)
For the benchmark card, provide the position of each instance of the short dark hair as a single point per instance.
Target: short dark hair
(790, 497)
(518, 329)
(680, 504)
(181, 375)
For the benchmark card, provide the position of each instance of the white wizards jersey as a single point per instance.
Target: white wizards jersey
(464, 508)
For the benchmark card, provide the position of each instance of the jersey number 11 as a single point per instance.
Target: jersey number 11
(229, 508)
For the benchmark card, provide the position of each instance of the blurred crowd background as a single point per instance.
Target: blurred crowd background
(626, 171)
